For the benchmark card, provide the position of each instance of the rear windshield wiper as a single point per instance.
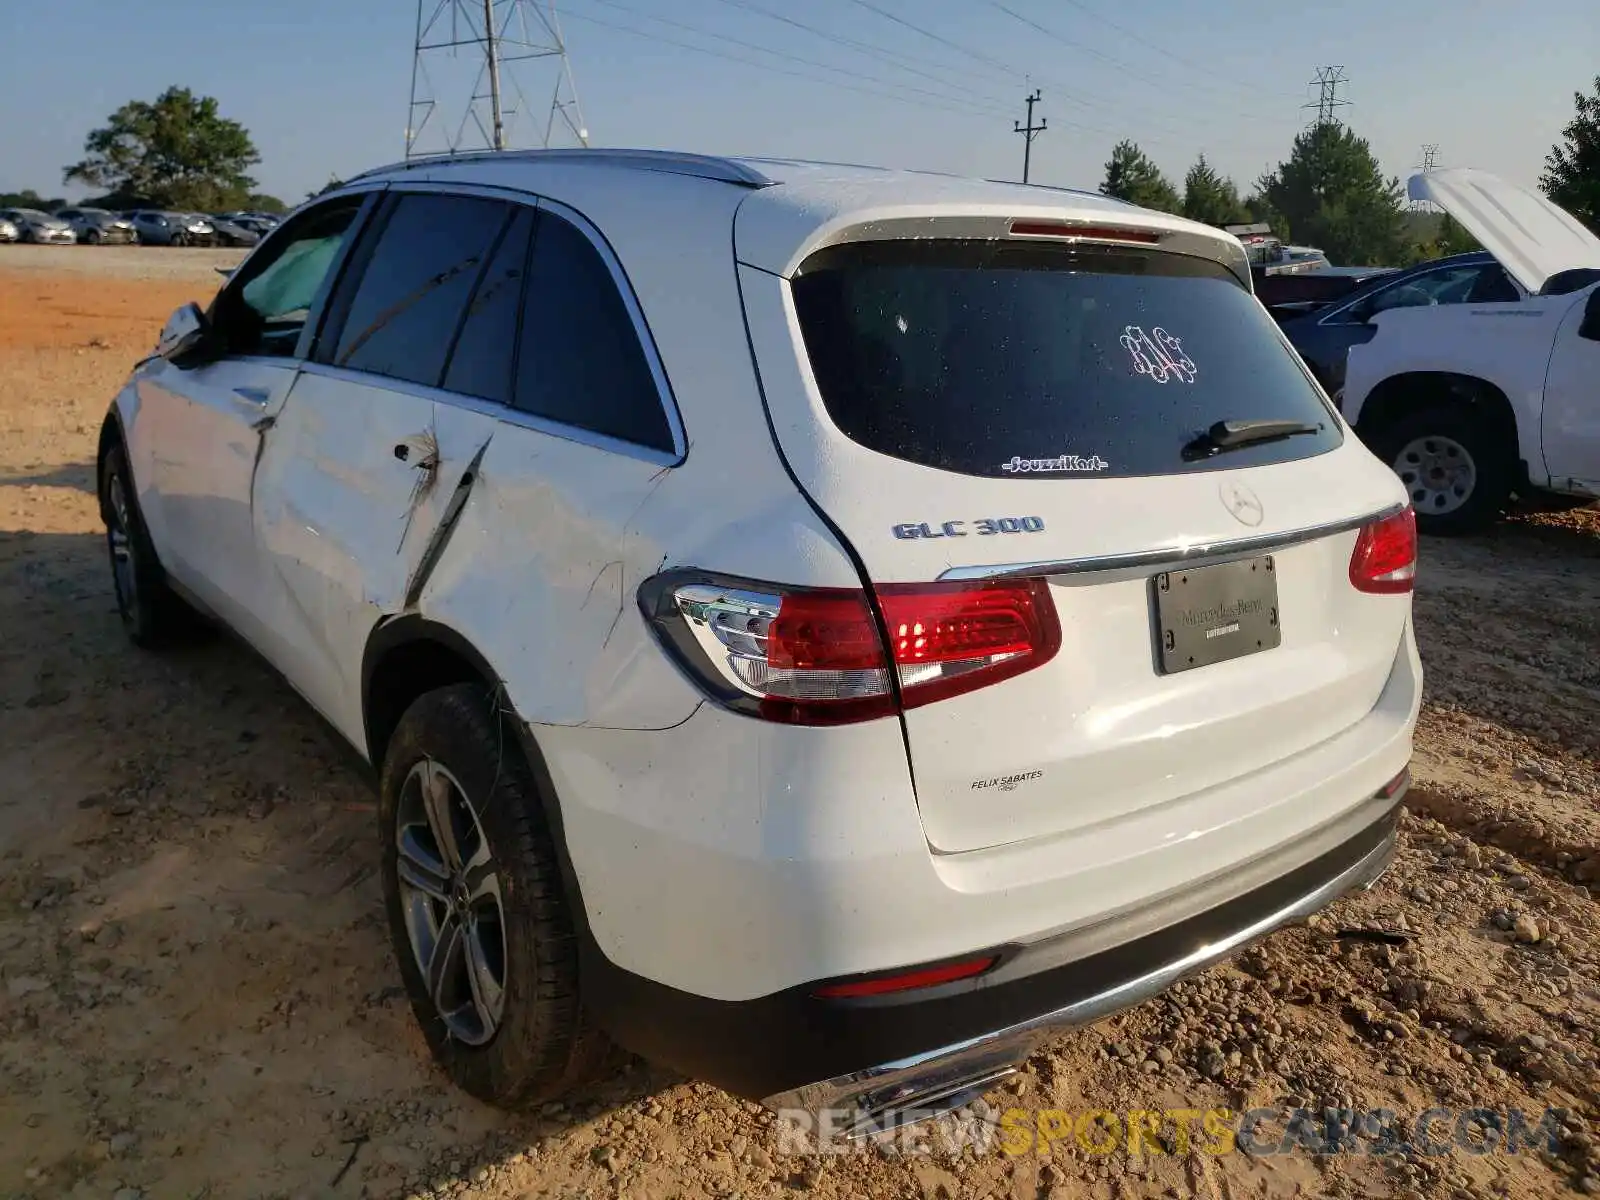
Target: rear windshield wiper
(1235, 435)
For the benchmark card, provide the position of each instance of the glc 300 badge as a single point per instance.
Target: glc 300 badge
(983, 526)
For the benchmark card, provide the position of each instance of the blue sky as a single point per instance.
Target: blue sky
(323, 85)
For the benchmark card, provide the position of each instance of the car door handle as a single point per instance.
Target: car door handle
(253, 395)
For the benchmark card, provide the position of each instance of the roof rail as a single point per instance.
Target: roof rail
(701, 166)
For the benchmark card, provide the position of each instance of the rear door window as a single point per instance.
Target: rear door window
(581, 361)
(1015, 360)
(404, 312)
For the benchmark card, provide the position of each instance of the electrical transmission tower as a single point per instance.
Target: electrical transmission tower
(472, 61)
(1029, 132)
(1328, 103)
(1430, 161)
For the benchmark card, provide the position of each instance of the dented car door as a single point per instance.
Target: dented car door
(352, 488)
(368, 454)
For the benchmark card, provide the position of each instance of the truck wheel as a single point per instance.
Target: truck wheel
(1456, 470)
(480, 919)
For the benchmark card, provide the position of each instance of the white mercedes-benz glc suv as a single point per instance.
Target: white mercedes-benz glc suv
(821, 628)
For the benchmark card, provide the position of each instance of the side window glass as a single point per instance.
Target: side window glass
(580, 361)
(405, 309)
(481, 363)
(263, 310)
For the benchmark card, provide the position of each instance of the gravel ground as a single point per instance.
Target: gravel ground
(197, 998)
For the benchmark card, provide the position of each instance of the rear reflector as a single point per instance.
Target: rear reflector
(907, 981)
(1395, 784)
(1089, 233)
(816, 656)
(1385, 558)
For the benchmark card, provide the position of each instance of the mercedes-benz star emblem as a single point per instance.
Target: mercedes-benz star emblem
(1244, 504)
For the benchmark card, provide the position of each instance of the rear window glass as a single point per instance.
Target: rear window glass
(1023, 360)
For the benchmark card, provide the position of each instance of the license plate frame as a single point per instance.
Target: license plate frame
(1216, 613)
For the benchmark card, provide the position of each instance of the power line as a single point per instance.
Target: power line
(895, 58)
(1065, 92)
(663, 38)
(996, 105)
(1142, 39)
(1122, 66)
(1029, 132)
(943, 41)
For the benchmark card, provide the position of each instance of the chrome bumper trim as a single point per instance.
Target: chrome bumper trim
(1193, 554)
(923, 1086)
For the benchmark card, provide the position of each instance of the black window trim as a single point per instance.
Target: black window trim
(505, 413)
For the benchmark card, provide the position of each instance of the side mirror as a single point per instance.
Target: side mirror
(184, 333)
(1589, 327)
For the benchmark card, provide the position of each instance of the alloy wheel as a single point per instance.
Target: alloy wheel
(119, 539)
(451, 902)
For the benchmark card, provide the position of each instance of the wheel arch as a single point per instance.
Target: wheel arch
(409, 655)
(1411, 391)
(112, 435)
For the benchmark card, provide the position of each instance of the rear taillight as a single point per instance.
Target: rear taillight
(817, 656)
(1385, 558)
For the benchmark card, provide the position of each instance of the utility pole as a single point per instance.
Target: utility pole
(1328, 102)
(1029, 132)
(493, 59)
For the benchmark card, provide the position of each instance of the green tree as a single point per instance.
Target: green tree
(1131, 176)
(1335, 196)
(1259, 211)
(1452, 239)
(262, 203)
(1211, 198)
(1572, 168)
(28, 198)
(176, 152)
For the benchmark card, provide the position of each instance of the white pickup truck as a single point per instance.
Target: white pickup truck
(1472, 402)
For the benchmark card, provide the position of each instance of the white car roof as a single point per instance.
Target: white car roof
(791, 207)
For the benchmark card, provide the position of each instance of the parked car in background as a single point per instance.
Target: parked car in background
(1494, 393)
(258, 223)
(94, 226)
(833, 634)
(35, 226)
(157, 228)
(225, 232)
(8, 231)
(1324, 333)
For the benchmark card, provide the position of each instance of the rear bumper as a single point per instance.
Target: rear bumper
(937, 1080)
(859, 1064)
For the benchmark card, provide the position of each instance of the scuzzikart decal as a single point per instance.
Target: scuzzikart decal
(1066, 462)
(1158, 354)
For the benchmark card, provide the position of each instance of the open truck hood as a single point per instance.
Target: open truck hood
(1531, 238)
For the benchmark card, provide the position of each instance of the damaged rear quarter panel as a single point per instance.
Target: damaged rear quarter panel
(542, 572)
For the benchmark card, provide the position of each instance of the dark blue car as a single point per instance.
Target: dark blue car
(1323, 334)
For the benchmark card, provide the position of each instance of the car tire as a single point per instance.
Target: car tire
(180, 240)
(514, 1032)
(152, 614)
(92, 238)
(1456, 468)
